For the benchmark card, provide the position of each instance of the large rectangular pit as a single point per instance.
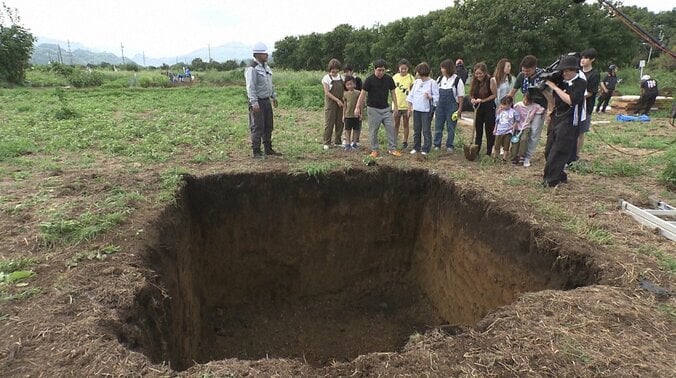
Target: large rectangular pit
(327, 268)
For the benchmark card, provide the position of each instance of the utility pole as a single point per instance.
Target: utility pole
(59, 52)
(70, 52)
(209, 48)
(122, 49)
(144, 59)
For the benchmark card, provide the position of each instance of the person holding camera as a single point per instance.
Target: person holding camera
(568, 115)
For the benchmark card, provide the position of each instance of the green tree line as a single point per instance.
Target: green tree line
(481, 30)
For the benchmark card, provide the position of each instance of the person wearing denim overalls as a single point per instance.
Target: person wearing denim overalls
(451, 93)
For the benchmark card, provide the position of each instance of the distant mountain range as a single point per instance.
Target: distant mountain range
(47, 50)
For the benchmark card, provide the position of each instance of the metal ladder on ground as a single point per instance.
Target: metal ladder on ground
(654, 218)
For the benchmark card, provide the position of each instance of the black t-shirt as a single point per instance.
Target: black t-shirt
(649, 86)
(593, 80)
(378, 91)
(576, 92)
(461, 72)
(523, 83)
(610, 82)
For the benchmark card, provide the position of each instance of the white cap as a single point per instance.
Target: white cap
(645, 77)
(260, 48)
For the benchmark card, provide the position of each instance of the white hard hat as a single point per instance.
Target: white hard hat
(645, 77)
(260, 48)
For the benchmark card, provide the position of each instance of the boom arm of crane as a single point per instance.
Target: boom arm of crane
(636, 28)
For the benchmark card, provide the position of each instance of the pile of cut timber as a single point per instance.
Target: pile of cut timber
(627, 104)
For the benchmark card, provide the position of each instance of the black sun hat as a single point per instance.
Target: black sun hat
(569, 62)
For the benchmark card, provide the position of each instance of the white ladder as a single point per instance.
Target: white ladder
(653, 217)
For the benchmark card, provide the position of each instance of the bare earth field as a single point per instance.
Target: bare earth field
(153, 244)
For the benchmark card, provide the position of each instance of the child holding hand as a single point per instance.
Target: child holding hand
(506, 121)
(527, 110)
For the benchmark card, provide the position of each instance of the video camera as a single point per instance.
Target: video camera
(549, 73)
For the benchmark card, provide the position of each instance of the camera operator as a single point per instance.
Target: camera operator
(568, 114)
(525, 81)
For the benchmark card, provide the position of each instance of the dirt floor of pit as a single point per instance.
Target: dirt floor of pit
(321, 330)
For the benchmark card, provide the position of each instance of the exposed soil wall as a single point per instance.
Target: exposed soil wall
(321, 269)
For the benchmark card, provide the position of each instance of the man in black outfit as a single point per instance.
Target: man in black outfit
(648, 95)
(568, 96)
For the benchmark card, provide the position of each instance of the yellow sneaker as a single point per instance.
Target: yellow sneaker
(374, 154)
(394, 152)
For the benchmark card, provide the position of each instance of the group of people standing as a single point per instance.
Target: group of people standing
(570, 104)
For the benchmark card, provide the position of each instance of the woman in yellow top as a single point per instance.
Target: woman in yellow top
(404, 82)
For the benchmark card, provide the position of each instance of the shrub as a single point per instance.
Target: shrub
(81, 79)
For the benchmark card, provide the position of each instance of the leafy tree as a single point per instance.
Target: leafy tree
(16, 46)
(333, 43)
(286, 53)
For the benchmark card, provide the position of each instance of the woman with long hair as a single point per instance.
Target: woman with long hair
(482, 93)
(503, 79)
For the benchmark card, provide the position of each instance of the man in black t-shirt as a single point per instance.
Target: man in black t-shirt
(587, 58)
(378, 86)
(525, 80)
(607, 88)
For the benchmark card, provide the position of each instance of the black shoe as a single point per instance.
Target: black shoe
(271, 152)
(257, 154)
(404, 145)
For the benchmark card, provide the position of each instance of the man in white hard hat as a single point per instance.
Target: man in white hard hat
(648, 95)
(262, 98)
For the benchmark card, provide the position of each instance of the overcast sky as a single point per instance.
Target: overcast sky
(165, 28)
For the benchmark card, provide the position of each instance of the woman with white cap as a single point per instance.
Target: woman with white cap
(568, 97)
(648, 95)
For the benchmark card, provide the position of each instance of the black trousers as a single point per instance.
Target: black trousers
(645, 103)
(261, 124)
(485, 120)
(604, 98)
(560, 137)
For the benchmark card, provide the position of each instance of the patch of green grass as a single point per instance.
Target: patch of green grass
(97, 254)
(60, 227)
(572, 349)
(318, 169)
(573, 223)
(515, 181)
(12, 273)
(172, 180)
(23, 294)
(613, 168)
(13, 146)
(667, 309)
(664, 259)
(22, 263)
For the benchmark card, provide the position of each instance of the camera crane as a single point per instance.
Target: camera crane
(633, 26)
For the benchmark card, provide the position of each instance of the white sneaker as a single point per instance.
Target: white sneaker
(436, 148)
(326, 147)
(526, 162)
(413, 152)
(449, 150)
(423, 153)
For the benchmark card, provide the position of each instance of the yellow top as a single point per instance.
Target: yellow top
(404, 84)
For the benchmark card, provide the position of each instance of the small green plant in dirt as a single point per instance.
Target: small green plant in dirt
(665, 260)
(97, 254)
(64, 111)
(667, 309)
(12, 274)
(316, 170)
